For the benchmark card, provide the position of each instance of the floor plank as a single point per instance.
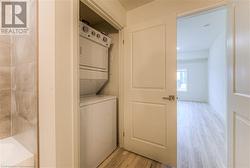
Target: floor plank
(125, 159)
(201, 136)
(201, 142)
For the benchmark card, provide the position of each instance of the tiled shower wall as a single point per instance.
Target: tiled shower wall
(24, 86)
(5, 87)
(18, 85)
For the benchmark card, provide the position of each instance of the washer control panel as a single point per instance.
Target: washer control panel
(94, 35)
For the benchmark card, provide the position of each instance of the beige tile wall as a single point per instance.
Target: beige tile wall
(5, 87)
(18, 86)
(24, 86)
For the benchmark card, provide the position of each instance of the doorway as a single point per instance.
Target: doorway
(202, 90)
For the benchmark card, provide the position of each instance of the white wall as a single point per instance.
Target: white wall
(47, 129)
(218, 75)
(56, 84)
(192, 55)
(197, 70)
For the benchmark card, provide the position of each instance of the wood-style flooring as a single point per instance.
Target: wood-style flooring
(125, 159)
(201, 136)
(201, 142)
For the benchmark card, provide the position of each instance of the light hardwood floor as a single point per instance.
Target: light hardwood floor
(124, 159)
(201, 142)
(201, 136)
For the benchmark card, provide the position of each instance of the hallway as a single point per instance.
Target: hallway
(201, 136)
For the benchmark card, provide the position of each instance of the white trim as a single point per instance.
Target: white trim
(231, 52)
(121, 90)
(97, 9)
(202, 10)
(75, 83)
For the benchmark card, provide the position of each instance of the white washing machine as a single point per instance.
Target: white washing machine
(98, 137)
(98, 129)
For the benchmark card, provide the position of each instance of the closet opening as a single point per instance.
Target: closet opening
(99, 87)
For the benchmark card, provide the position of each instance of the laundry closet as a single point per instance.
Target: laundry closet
(99, 87)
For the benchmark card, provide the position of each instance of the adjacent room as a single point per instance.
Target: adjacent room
(202, 89)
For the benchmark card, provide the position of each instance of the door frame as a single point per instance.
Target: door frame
(229, 51)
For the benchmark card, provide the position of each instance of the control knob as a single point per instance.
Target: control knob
(105, 39)
(85, 29)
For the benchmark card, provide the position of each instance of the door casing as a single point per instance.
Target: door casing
(228, 117)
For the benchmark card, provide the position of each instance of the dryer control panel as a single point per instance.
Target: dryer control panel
(94, 35)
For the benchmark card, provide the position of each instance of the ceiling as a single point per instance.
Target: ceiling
(198, 32)
(132, 4)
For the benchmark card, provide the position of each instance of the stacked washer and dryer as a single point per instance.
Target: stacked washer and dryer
(98, 130)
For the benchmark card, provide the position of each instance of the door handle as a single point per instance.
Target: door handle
(170, 98)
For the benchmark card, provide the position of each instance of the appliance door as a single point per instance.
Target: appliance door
(93, 55)
(98, 132)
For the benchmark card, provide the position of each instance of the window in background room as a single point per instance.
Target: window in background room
(182, 80)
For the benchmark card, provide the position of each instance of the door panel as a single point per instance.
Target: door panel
(93, 55)
(242, 50)
(150, 74)
(147, 118)
(242, 142)
(239, 98)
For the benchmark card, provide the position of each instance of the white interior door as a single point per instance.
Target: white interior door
(150, 80)
(240, 85)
